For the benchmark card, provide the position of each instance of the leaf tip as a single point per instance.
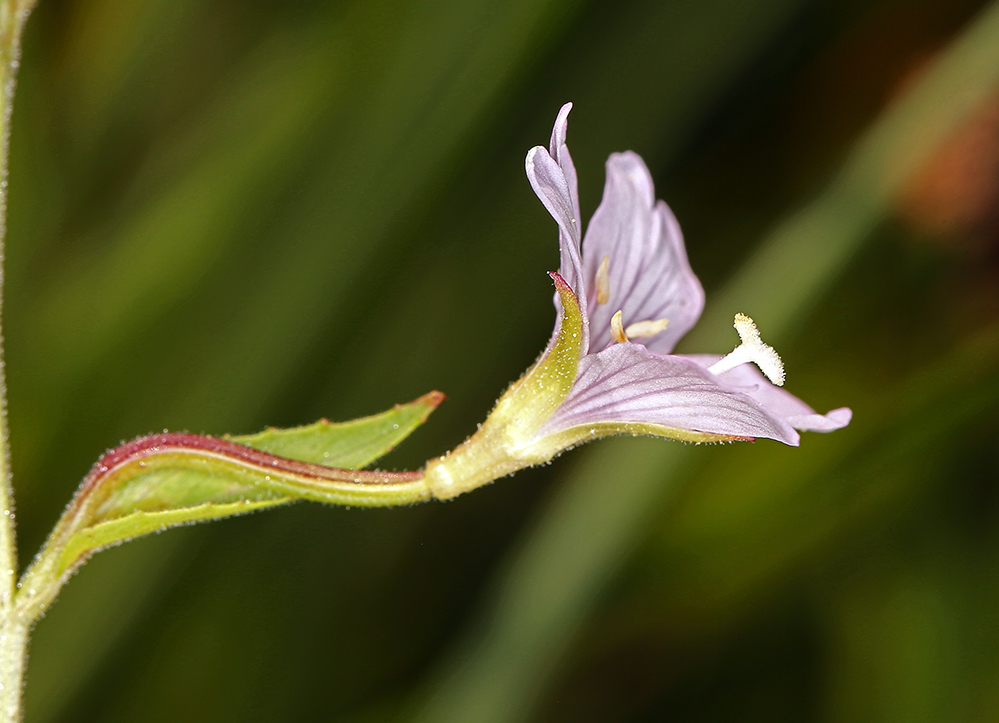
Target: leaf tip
(432, 399)
(429, 403)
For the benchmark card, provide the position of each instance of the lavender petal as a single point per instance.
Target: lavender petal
(650, 277)
(748, 379)
(560, 152)
(550, 185)
(628, 383)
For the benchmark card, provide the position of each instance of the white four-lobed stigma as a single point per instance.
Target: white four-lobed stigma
(752, 349)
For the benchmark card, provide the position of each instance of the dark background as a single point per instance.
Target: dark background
(227, 214)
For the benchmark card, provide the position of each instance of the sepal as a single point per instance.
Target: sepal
(505, 441)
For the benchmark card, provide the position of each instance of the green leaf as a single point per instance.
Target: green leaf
(105, 534)
(165, 480)
(350, 445)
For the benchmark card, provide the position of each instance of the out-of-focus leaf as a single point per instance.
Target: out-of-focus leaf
(246, 135)
(806, 252)
(894, 450)
(165, 480)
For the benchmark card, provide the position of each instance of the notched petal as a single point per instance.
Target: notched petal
(560, 152)
(550, 184)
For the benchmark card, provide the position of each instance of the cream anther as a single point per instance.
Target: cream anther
(617, 328)
(603, 280)
(752, 349)
(643, 329)
(639, 330)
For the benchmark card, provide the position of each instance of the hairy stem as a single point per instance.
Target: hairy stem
(13, 631)
(13, 652)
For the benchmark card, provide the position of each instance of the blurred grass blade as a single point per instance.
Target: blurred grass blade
(785, 276)
(599, 512)
(896, 447)
(250, 134)
(165, 480)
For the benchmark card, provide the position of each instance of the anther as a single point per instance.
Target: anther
(752, 349)
(617, 328)
(643, 329)
(603, 280)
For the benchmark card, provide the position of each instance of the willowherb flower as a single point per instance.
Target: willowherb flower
(625, 295)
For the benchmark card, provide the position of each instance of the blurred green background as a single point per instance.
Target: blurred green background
(227, 214)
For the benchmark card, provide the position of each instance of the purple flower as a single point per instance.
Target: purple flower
(625, 295)
(637, 297)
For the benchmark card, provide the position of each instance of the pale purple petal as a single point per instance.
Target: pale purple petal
(553, 177)
(560, 152)
(550, 185)
(627, 383)
(747, 378)
(650, 277)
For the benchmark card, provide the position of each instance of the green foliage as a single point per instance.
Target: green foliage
(348, 445)
(162, 481)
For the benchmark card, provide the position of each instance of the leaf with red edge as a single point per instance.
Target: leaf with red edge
(171, 479)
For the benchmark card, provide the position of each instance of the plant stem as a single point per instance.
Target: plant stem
(13, 653)
(13, 630)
